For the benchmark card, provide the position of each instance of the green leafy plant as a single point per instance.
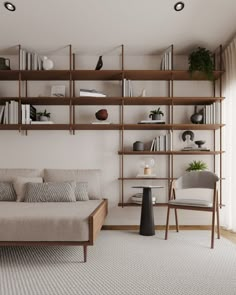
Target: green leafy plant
(156, 112)
(201, 60)
(45, 114)
(196, 166)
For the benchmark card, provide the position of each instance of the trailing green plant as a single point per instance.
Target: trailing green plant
(201, 60)
(45, 113)
(156, 112)
(197, 166)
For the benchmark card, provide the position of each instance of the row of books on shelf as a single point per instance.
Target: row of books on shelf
(30, 60)
(166, 62)
(162, 143)
(211, 113)
(9, 113)
(127, 90)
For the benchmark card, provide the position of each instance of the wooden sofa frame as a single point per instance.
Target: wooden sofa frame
(96, 220)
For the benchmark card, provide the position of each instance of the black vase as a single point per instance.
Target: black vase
(99, 63)
(197, 117)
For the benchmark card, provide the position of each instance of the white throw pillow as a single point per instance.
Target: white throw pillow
(19, 185)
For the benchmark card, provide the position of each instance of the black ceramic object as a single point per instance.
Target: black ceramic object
(4, 63)
(138, 146)
(197, 117)
(99, 63)
(199, 143)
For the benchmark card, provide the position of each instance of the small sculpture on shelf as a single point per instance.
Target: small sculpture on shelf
(101, 114)
(99, 63)
(47, 63)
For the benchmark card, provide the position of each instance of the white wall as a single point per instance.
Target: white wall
(99, 149)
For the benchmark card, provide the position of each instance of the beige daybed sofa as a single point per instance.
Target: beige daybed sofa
(53, 223)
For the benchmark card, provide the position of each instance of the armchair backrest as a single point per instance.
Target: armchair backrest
(197, 179)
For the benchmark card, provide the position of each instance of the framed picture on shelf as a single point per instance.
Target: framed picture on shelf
(58, 91)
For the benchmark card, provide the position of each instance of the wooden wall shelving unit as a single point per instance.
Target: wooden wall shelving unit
(72, 75)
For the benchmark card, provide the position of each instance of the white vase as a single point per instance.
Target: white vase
(47, 63)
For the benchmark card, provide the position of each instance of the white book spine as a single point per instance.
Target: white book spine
(7, 113)
(23, 113)
(27, 114)
(21, 59)
(35, 61)
(16, 112)
(39, 63)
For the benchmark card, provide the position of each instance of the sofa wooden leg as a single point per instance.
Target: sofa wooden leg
(85, 253)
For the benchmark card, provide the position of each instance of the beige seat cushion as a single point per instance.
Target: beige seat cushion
(191, 202)
(46, 221)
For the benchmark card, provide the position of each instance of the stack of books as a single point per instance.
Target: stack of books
(30, 60)
(91, 92)
(137, 199)
(151, 122)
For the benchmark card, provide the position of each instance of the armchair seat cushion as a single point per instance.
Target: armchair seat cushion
(190, 202)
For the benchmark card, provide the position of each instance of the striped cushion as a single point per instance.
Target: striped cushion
(50, 192)
(7, 192)
(81, 191)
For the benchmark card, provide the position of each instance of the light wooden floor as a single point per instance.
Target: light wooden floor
(228, 235)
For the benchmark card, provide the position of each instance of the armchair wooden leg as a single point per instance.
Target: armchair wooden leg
(213, 229)
(176, 221)
(85, 253)
(218, 219)
(167, 223)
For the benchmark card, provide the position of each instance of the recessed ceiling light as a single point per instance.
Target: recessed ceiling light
(9, 6)
(179, 6)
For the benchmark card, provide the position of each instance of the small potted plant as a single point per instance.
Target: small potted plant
(156, 114)
(43, 116)
(197, 166)
(201, 60)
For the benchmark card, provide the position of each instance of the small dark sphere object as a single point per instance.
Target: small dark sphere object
(199, 143)
(101, 114)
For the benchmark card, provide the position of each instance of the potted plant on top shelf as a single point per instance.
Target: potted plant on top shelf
(197, 166)
(156, 114)
(201, 60)
(43, 116)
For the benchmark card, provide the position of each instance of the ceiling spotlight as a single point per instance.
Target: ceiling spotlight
(179, 6)
(9, 6)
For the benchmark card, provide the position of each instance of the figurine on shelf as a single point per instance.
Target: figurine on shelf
(99, 63)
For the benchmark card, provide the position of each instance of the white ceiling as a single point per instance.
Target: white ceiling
(98, 26)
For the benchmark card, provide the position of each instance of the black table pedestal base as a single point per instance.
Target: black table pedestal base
(147, 227)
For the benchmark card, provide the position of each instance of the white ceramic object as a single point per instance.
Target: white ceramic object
(47, 63)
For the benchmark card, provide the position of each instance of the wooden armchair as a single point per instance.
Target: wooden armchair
(195, 180)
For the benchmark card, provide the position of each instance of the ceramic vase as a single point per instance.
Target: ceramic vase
(47, 63)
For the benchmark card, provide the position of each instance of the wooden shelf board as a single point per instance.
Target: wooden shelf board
(147, 100)
(147, 126)
(197, 126)
(57, 75)
(92, 75)
(9, 127)
(195, 100)
(170, 152)
(149, 75)
(145, 153)
(89, 100)
(144, 178)
(96, 127)
(9, 75)
(139, 205)
(185, 75)
(46, 100)
(45, 127)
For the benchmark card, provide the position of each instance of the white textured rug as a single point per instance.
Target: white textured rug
(123, 263)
